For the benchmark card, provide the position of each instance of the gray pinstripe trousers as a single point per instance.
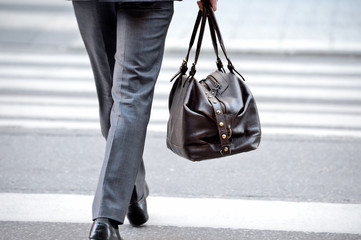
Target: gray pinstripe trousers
(125, 44)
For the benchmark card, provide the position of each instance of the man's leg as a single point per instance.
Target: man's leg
(97, 24)
(141, 32)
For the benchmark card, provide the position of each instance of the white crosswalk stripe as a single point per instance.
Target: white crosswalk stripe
(57, 91)
(194, 212)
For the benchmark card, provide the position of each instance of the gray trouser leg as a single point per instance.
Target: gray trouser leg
(97, 24)
(141, 32)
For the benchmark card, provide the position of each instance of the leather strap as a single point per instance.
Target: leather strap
(195, 30)
(215, 46)
(215, 28)
(199, 43)
(213, 25)
(215, 33)
(193, 70)
(222, 125)
(183, 68)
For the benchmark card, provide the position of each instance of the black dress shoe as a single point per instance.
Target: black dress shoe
(137, 211)
(103, 230)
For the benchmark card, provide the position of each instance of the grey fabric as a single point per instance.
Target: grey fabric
(125, 90)
(97, 25)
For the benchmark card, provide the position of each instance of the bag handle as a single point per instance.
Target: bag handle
(193, 70)
(213, 26)
(183, 68)
(215, 34)
(215, 46)
(193, 37)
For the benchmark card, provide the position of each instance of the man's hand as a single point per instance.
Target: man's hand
(213, 3)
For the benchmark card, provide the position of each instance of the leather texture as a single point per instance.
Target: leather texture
(103, 230)
(216, 116)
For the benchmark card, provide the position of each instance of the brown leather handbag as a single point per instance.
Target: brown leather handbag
(214, 117)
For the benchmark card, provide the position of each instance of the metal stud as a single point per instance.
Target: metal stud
(218, 112)
(221, 124)
(224, 136)
(214, 102)
(225, 149)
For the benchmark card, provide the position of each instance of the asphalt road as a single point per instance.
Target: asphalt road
(314, 169)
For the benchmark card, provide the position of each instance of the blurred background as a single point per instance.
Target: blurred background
(301, 60)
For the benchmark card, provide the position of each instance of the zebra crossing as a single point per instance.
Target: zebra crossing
(194, 212)
(302, 97)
